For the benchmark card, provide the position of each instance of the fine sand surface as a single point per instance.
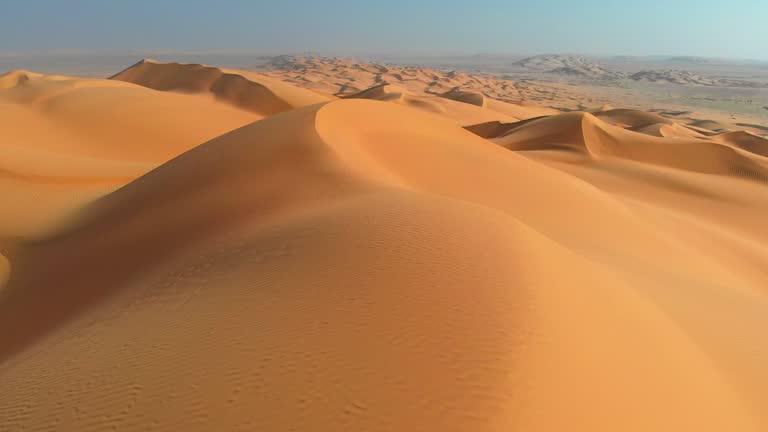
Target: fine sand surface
(193, 248)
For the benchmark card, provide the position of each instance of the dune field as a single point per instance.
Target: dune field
(349, 247)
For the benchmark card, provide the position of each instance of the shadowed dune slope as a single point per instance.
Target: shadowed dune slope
(713, 126)
(307, 271)
(247, 90)
(496, 129)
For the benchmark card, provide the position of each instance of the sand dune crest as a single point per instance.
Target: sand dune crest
(246, 90)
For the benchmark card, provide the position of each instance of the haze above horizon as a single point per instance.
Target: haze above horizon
(706, 28)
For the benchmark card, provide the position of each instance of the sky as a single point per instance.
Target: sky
(710, 28)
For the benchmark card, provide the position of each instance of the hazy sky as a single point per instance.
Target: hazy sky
(727, 28)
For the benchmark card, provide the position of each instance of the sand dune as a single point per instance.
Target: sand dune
(344, 77)
(588, 135)
(745, 140)
(669, 130)
(684, 77)
(463, 107)
(522, 112)
(247, 90)
(630, 118)
(496, 129)
(369, 264)
(570, 65)
(15, 78)
(69, 140)
(713, 126)
(459, 112)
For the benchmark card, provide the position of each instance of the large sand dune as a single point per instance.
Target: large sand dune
(251, 91)
(369, 264)
(65, 141)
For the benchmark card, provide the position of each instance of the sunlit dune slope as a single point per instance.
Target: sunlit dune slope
(67, 140)
(361, 265)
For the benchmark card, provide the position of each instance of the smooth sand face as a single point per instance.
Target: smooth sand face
(369, 264)
(66, 141)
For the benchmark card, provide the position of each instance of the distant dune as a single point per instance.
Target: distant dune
(343, 77)
(688, 59)
(687, 77)
(519, 111)
(333, 245)
(570, 65)
(586, 69)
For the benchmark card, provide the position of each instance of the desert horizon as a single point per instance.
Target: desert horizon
(294, 237)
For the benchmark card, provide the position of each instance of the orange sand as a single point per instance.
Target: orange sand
(228, 252)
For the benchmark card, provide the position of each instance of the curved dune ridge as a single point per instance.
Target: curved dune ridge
(369, 264)
(247, 90)
(745, 140)
(343, 77)
(519, 111)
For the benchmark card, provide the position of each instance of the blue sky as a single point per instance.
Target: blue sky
(734, 28)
